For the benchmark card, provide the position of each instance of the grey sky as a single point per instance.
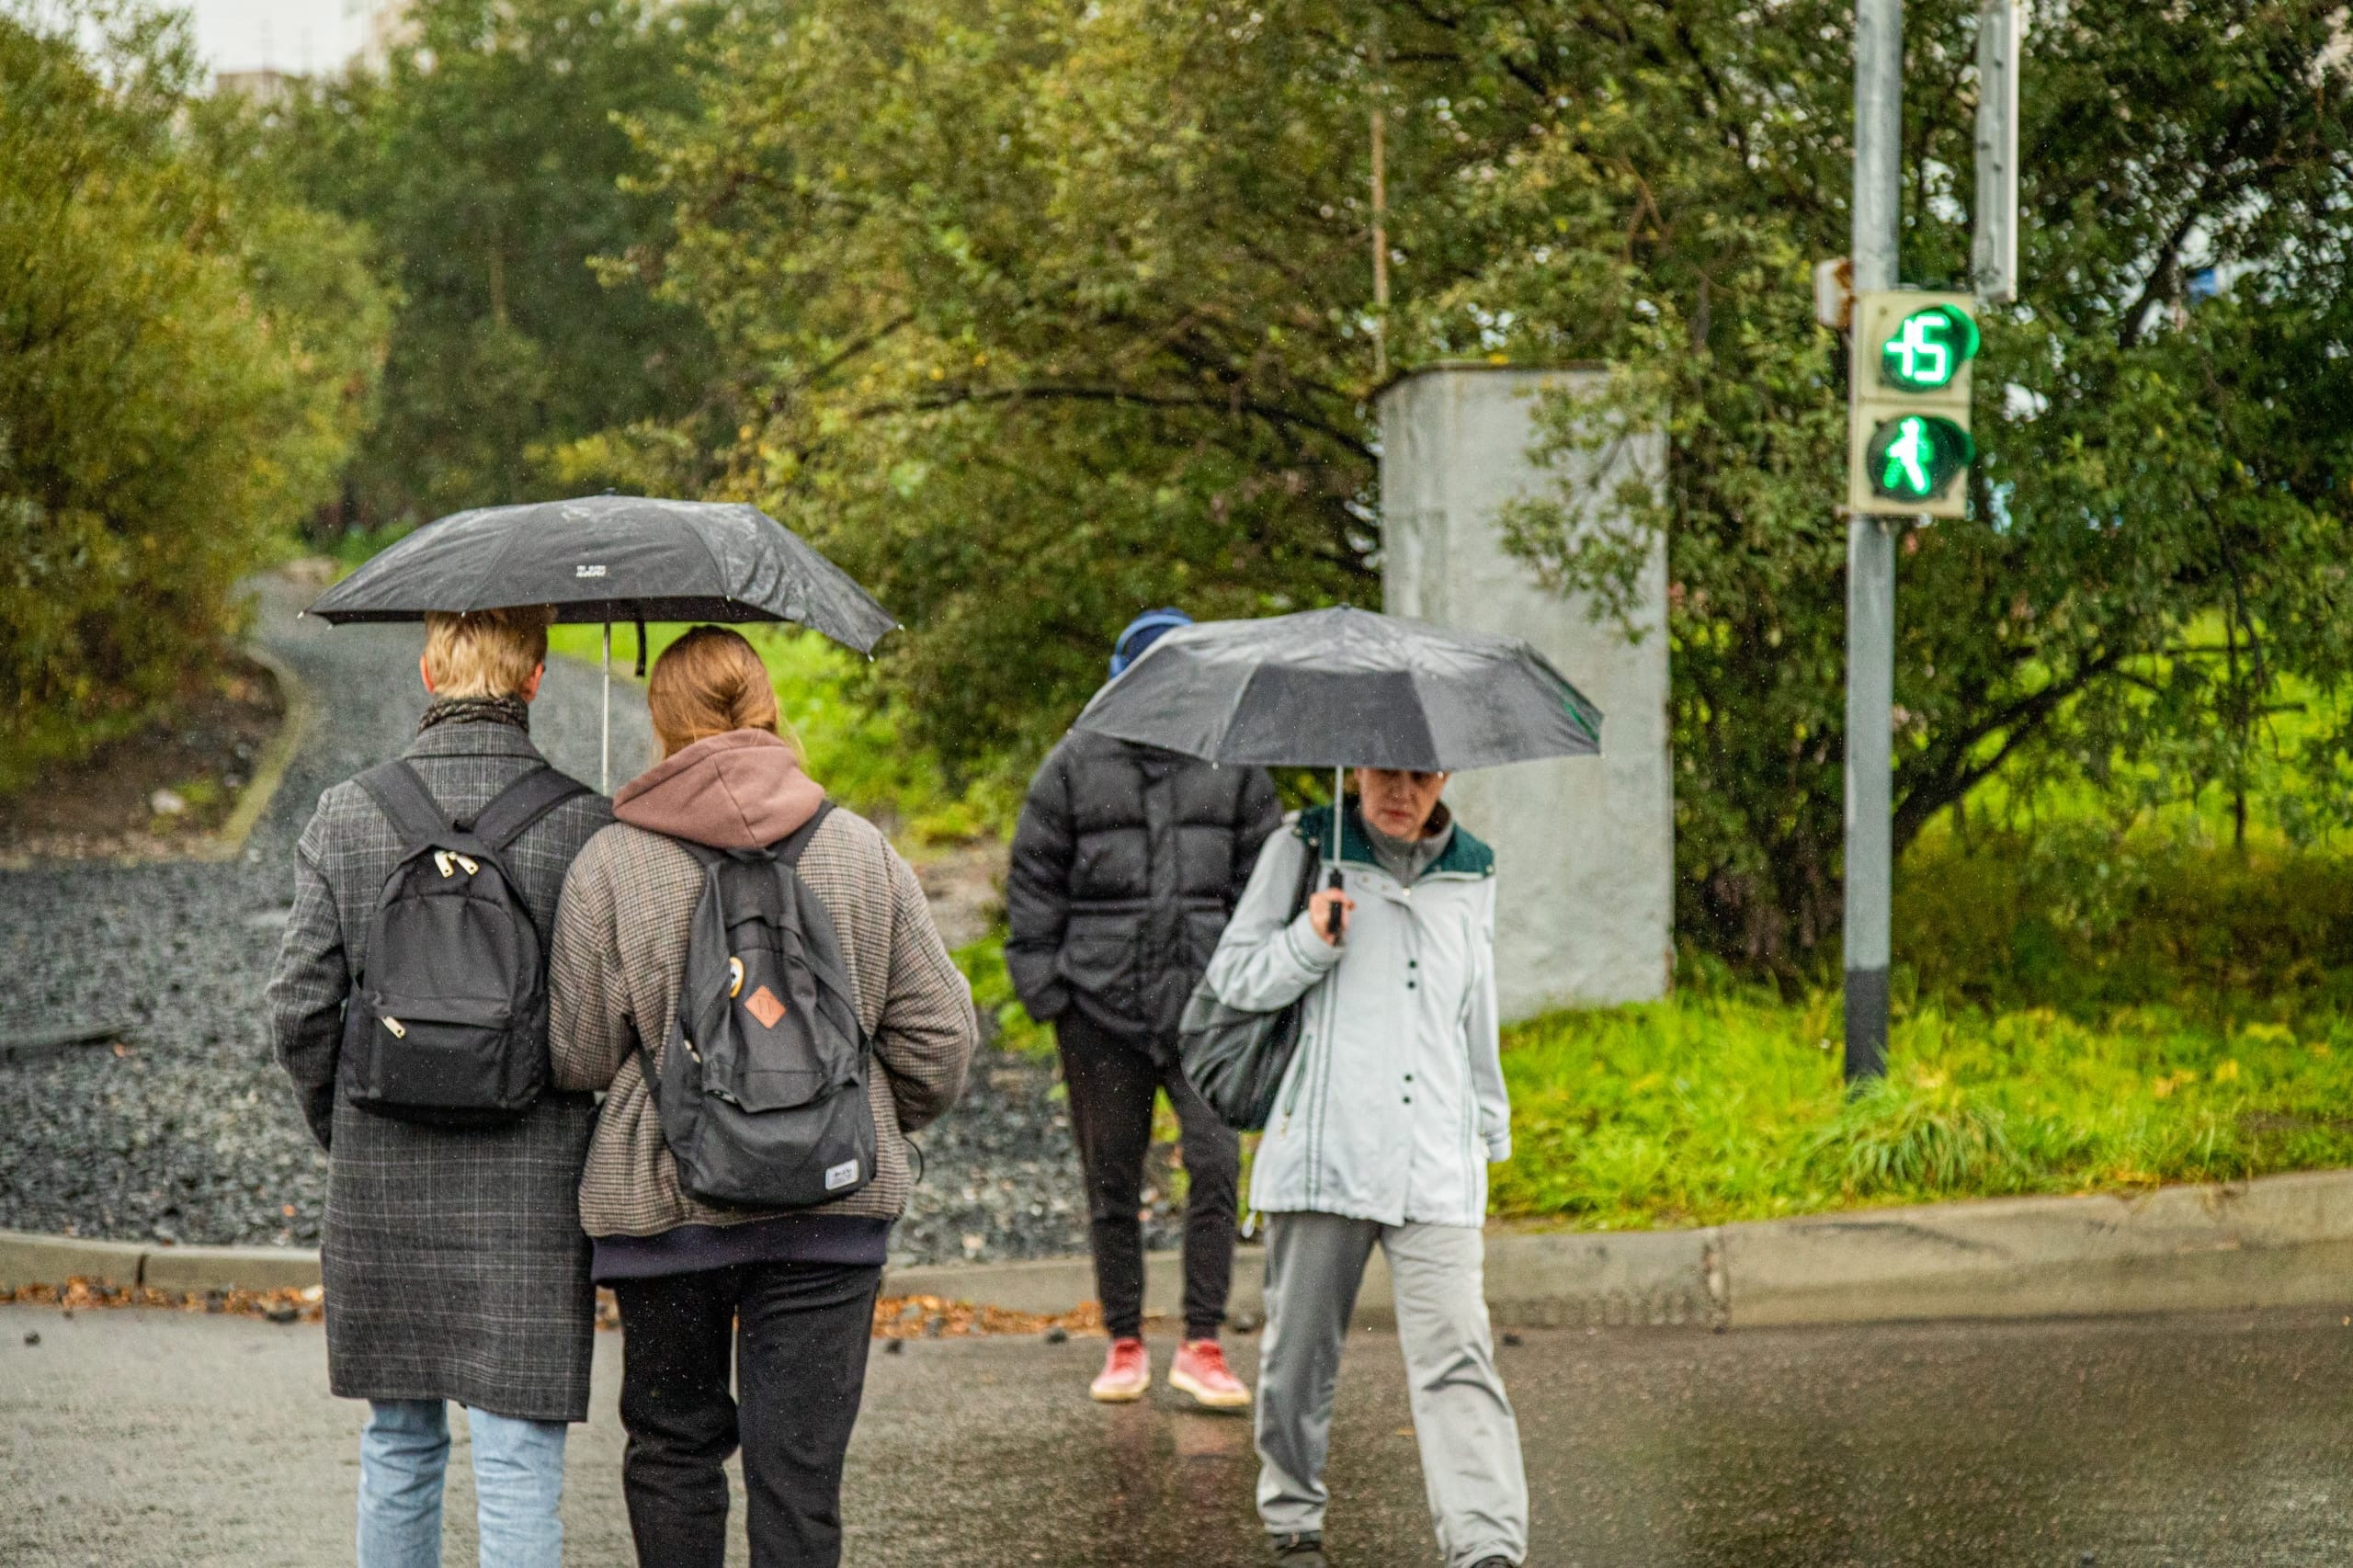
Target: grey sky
(292, 35)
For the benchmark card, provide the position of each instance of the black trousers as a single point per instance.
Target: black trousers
(797, 1332)
(1111, 1081)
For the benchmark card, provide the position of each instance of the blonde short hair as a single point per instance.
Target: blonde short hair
(490, 653)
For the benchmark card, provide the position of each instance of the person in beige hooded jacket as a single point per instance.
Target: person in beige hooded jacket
(794, 1291)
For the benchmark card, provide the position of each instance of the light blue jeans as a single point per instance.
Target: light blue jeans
(518, 1482)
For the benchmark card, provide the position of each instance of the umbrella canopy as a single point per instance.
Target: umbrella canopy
(612, 557)
(1346, 688)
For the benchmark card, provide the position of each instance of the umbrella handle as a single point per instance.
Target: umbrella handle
(1332, 913)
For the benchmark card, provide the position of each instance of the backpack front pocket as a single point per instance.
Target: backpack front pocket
(439, 1053)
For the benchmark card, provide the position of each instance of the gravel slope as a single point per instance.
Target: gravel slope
(187, 1133)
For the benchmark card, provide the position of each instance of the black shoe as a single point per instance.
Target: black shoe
(1301, 1551)
(1495, 1562)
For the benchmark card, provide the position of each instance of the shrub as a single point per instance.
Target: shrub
(188, 354)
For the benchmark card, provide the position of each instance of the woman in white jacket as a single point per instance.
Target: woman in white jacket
(1381, 1132)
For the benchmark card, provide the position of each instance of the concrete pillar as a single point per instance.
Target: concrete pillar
(1585, 847)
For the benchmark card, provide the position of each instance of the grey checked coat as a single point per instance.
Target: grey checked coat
(455, 1265)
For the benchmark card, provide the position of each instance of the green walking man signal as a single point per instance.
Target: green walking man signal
(1914, 458)
(1908, 444)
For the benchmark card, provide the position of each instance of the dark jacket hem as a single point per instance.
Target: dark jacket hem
(781, 1238)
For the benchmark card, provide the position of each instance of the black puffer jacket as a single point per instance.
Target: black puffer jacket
(1126, 867)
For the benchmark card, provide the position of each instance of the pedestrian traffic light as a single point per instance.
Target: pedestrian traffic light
(1908, 447)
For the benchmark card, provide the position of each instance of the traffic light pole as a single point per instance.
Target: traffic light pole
(1870, 561)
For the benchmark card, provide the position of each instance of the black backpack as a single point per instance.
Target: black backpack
(449, 1025)
(761, 1088)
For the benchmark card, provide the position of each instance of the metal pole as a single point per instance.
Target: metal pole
(1379, 214)
(2001, 28)
(605, 763)
(1870, 559)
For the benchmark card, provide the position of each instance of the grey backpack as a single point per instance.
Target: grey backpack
(1236, 1059)
(761, 1086)
(447, 1024)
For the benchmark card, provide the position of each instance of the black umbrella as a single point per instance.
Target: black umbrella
(608, 558)
(1346, 688)
(1343, 689)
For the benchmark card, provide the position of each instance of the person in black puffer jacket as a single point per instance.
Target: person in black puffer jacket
(1126, 865)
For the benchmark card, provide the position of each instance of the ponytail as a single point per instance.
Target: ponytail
(707, 683)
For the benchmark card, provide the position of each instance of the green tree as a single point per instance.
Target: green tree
(184, 354)
(2159, 534)
(487, 165)
(1040, 313)
(1037, 311)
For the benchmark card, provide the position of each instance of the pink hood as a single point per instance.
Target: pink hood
(743, 790)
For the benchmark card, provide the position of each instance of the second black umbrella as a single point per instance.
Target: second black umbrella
(1342, 688)
(1346, 688)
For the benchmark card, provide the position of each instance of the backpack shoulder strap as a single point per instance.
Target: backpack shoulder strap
(1308, 871)
(788, 848)
(705, 856)
(397, 790)
(515, 808)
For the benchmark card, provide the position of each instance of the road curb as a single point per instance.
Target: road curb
(2284, 1241)
(29, 1259)
(229, 1268)
(269, 771)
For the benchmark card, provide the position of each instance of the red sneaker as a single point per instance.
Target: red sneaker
(1125, 1375)
(1200, 1369)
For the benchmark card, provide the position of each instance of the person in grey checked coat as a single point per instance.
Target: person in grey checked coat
(1382, 1129)
(454, 1262)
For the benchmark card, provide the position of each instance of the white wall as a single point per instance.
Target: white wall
(1584, 847)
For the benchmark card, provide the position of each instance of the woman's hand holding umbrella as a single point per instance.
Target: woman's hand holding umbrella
(1329, 909)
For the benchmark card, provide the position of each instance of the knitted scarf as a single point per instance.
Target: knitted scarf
(511, 710)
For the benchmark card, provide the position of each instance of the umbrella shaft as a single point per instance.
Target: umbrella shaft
(605, 744)
(1340, 799)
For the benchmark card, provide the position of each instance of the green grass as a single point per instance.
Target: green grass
(1725, 1102)
(2078, 1007)
(1710, 1107)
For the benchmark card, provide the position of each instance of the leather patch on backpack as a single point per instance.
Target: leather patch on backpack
(764, 1005)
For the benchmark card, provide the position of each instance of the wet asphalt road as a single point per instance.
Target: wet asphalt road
(138, 1438)
(192, 1137)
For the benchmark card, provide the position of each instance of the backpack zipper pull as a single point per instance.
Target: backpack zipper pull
(441, 859)
(400, 1031)
(470, 866)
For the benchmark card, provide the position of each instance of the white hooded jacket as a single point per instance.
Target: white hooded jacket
(1394, 1104)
